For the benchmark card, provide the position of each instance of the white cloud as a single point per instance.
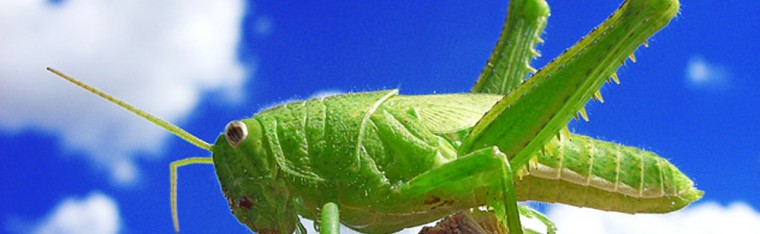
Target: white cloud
(705, 217)
(97, 213)
(703, 75)
(318, 94)
(326, 93)
(159, 56)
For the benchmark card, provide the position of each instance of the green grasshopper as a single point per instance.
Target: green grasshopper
(380, 162)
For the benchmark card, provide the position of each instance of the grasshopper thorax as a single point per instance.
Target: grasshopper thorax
(247, 173)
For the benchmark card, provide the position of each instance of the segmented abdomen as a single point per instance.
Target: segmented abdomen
(607, 176)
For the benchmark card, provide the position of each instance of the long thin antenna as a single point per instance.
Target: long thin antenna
(153, 119)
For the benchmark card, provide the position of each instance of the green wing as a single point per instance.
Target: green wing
(446, 113)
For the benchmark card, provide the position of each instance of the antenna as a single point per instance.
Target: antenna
(153, 119)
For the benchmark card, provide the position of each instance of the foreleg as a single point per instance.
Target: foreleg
(464, 172)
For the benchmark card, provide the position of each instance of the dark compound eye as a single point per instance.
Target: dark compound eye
(235, 132)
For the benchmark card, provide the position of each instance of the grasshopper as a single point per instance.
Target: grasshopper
(379, 162)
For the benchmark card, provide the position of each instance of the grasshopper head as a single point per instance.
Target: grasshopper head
(248, 175)
(245, 167)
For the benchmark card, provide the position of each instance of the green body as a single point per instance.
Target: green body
(357, 149)
(389, 161)
(379, 162)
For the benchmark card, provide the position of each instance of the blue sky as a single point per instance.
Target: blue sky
(74, 163)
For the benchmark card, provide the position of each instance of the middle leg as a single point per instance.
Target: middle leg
(463, 174)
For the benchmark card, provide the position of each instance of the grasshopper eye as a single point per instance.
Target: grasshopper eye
(235, 132)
